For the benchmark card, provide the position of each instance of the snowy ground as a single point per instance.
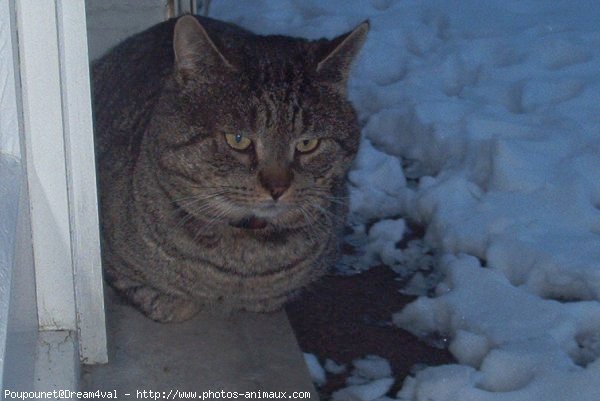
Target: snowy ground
(481, 121)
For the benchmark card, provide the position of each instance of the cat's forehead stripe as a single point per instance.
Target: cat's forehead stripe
(281, 111)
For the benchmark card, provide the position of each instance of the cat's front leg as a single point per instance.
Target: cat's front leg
(160, 307)
(157, 305)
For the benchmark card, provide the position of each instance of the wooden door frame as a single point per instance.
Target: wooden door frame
(58, 157)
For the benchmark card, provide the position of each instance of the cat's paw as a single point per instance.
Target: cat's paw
(163, 308)
(171, 309)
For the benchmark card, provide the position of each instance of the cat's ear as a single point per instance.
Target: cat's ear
(196, 54)
(339, 53)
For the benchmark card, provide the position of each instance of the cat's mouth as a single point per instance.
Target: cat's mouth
(250, 223)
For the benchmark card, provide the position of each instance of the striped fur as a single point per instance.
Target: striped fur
(174, 195)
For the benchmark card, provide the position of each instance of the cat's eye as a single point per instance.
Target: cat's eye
(307, 145)
(238, 141)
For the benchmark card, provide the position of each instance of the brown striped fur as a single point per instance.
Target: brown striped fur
(178, 204)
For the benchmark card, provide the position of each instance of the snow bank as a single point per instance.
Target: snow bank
(482, 121)
(518, 342)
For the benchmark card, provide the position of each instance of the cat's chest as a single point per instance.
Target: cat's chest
(234, 248)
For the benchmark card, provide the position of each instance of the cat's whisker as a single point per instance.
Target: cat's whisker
(310, 228)
(204, 201)
(205, 205)
(322, 189)
(315, 223)
(206, 226)
(334, 218)
(323, 193)
(182, 221)
(199, 197)
(188, 215)
(198, 205)
(215, 189)
(341, 202)
(317, 217)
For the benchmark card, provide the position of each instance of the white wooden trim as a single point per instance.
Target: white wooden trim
(45, 163)
(9, 122)
(9, 177)
(81, 180)
(180, 7)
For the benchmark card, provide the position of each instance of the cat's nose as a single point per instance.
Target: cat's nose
(276, 181)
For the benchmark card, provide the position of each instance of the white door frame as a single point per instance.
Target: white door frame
(57, 141)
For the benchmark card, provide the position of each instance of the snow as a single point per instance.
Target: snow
(316, 371)
(481, 121)
(364, 392)
(382, 239)
(370, 380)
(369, 368)
(333, 367)
(377, 182)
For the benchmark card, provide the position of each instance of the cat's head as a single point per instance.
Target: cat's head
(258, 128)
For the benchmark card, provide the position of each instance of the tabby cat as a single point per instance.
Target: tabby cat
(222, 160)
